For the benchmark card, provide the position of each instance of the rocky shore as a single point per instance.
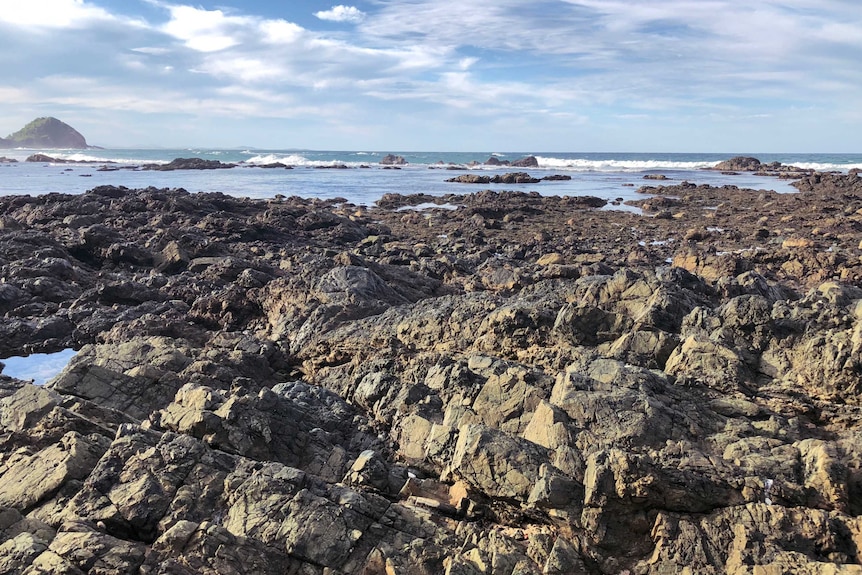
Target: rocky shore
(497, 383)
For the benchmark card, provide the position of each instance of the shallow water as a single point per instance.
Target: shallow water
(360, 186)
(38, 367)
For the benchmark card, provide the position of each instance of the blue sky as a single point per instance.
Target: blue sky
(448, 75)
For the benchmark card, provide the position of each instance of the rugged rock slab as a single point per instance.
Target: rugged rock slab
(749, 164)
(393, 160)
(188, 164)
(523, 384)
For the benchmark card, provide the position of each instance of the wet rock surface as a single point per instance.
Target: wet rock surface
(521, 384)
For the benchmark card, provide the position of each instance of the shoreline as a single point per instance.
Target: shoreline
(313, 384)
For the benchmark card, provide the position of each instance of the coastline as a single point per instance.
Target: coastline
(557, 383)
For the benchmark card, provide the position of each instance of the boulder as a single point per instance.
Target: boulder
(739, 164)
(393, 160)
(526, 162)
(188, 164)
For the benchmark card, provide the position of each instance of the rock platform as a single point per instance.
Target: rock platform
(502, 383)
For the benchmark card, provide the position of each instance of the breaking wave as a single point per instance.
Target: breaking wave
(79, 157)
(584, 165)
(295, 160)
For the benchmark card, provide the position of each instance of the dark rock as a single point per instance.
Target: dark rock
(273, 165)
(739, 164)
(188, 164)
(494, 161)
(298, 386)
(47, 159)
(528, 162)
(392, 160)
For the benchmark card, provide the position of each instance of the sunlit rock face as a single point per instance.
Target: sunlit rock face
(520, 384)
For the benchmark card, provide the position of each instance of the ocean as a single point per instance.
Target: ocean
(612, 176)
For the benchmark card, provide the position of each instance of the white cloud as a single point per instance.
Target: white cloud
(281, 31)
(548, 62)
(342, 13)
(53, 14)
(14, 95)
(205, 30)
(152, 51)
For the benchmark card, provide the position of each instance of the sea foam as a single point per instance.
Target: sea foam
(296, 160)
(584, 165)
(79, 157)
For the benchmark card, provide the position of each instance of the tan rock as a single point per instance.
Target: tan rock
(553, 258)
(797, 243)
(496, 463)
(712, 364)
(26, 478)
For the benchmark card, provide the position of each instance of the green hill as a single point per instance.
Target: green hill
(45, 133)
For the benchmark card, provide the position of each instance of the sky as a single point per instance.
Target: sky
(440, 75)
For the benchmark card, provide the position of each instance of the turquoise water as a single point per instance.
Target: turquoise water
(607, 175)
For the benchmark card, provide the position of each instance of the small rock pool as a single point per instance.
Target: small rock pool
(39, 367)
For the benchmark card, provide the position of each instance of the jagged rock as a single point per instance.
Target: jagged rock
(496, 463)
(392, 160)
(188, 164)
(738, 538)
(527, 162)
(518, 385)
(739, 164)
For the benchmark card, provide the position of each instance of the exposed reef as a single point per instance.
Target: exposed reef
(497, 382)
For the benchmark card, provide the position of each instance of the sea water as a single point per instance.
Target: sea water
(608, 176)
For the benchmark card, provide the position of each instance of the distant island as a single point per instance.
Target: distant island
(45, 133)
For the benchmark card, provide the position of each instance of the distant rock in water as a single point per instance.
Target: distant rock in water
(494, 161)
(528, 162)
(5, 160)
(45, 133)
(749, 164)
(188, 164)
(392, 160)
(49, 159)
(739, 164)
(512, 178)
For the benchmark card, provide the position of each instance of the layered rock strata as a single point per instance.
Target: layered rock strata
(524, 384)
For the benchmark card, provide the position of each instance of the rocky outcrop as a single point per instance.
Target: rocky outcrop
(188, 164)
(510, 178)
(527, 162)
(495, 161)
(44, 158)
(749, 164)
(739, 164)
(45, 133)
(393, 160)
(521, 384)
